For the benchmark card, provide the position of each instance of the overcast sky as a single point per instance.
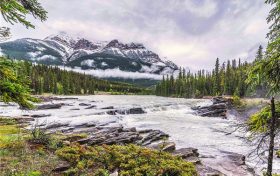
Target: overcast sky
(191, 33)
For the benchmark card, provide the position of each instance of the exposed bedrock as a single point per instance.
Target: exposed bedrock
(218, 108)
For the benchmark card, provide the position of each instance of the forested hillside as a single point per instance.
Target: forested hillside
(225, 79)
(51, 79)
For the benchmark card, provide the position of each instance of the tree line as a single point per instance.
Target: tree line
(228, 78)
(51, 79)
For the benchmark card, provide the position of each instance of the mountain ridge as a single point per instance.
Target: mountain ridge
(64, 50)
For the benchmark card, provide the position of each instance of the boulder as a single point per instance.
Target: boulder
(108, 107)
(207, 171)
(91, 107)
(186, 152)
(112, 112)
(153, 136)
(165, 146)
(214, 110)
(236, 158)
(49, 106)
(75, 109)
(193, 159)
(218, 100)
(40, 115)
(84, 104)
(136, 111)
(133, 129)
(62, 167)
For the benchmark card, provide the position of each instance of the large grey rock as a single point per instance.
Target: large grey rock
(50, 106)
(153, 136)
(91, 107)
(165, 146)
(40, 115)
(62, 167)
(84, 104)
(56, 125)
(214, 110)
(236, 158)
(136, 111)
(108, 107)
(186, 152)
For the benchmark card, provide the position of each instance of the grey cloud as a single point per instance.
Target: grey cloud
(192, 33)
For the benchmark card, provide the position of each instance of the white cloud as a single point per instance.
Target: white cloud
(46, 57)
(115, 73)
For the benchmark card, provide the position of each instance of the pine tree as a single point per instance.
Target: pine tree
(259, 55)
(217, 88)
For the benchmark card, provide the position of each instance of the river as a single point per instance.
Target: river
(171, 115)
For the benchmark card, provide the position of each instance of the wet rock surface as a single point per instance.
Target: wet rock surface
(40, 115)
(49, 106)
(84, 104)
(217, 109)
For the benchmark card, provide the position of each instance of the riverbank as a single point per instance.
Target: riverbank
(37, 153)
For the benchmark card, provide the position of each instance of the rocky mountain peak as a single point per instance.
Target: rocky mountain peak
(84, 44)
(62, 38)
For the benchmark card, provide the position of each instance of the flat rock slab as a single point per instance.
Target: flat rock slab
(164, 146)
(186, 152)
(84, 104)
(91, 107)
(49, 106)
(40, 115)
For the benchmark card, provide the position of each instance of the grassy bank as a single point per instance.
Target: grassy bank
(35, 153)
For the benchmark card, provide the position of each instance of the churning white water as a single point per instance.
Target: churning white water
(171, 115)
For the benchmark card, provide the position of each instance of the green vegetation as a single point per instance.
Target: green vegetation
(37, 153)
(259, 122)
(246, 104)
(227, 79)
(14, 87)
(15, 11)
(278, 153)
(267, 69)
(17, 156)
(48, 79)
(129, 160)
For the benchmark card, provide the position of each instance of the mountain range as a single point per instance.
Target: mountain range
(86, 55)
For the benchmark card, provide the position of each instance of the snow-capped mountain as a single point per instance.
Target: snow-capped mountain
(81, 53)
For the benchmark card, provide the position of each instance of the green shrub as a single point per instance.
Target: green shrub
(7, 121)
(39, 136)
(237, 102)
(102, 172)
(129, 160)
(258, 122)
(278, 153)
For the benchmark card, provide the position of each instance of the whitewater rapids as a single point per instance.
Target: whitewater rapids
(170, 115)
